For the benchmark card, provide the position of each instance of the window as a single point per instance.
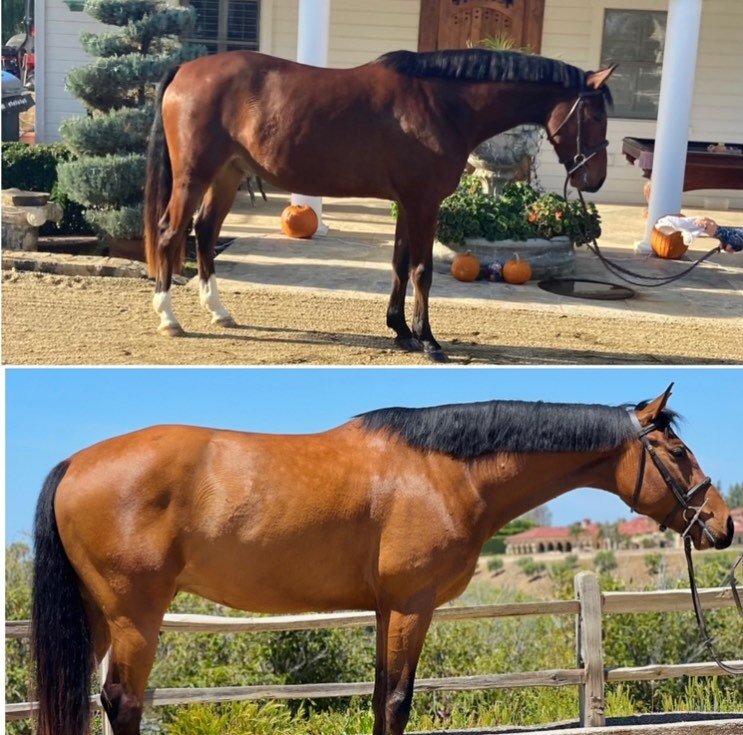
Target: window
(226, 25)
(634, 39)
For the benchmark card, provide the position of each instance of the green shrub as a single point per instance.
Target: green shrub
(495, 564)
(496, 544)
(519, 213)
(654, 563)
(118, 87)
(34, 168)
(605, 561)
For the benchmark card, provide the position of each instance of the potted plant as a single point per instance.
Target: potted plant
(520, 223)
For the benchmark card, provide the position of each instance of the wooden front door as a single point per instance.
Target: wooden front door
(457, 23)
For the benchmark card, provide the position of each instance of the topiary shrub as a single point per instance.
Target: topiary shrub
(117, 88)
(34, 168)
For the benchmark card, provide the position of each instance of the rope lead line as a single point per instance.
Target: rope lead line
(625, 274)
(728, 668)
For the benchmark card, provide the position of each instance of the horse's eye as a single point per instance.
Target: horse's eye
(678, 452)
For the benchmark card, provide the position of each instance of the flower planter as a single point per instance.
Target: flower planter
(547, 258)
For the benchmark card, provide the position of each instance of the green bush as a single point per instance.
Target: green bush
(34, 168)
(654, 563)
(495, 564)
(496, 544)
(519, 213)
(115, 180)
(605, 561)
(118, 88)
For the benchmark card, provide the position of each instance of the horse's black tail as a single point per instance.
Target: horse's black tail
(158, 182)
(60, 636)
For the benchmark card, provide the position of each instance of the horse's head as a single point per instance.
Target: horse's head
(576, 127)
(662, 479)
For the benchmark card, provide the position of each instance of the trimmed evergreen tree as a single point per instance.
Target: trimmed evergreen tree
(117, 89)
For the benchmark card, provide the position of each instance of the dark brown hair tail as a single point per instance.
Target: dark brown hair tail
(159, 180)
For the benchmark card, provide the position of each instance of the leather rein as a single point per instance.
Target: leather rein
(692, 516)
(583, 154)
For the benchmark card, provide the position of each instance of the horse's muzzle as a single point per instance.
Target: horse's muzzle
(723, 543)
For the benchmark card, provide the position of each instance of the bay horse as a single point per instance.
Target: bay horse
(387, 512)
(398, 128)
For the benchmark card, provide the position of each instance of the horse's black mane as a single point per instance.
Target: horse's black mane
(468, 430)
(481, 65)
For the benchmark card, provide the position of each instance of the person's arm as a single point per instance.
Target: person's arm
(731, 237)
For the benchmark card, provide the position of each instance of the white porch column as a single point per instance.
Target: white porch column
(313, 31)
(674, 112)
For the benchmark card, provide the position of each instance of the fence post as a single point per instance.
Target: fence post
(103, 670)
(589, 648)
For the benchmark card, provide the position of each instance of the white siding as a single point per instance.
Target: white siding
(359, 31)
(572, 32)
(61, 52)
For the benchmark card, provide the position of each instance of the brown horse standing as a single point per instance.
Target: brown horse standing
(399, 128)
(387, 512)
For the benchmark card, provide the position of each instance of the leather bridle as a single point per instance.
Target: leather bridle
(583, 154)
(684, 500)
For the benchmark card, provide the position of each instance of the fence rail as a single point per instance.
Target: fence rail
(590, 676)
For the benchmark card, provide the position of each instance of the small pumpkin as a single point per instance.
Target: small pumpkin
(516, 271)
(299, 221)
(465, 267)
(667, 245)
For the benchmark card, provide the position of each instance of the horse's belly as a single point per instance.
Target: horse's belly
(281, 579)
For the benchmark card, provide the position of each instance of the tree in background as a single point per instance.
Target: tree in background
(734, 495)
(117, 89)
(13, 11)
(540, 516)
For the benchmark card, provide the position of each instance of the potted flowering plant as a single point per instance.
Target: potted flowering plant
(521, 222)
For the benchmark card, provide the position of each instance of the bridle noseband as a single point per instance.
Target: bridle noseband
(683, 497)
(583, 154)
(684, 501)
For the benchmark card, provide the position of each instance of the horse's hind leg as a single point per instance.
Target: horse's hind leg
(400, 270)
(134, 629)
(215, 207)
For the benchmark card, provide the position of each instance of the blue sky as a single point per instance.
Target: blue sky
(51, 413)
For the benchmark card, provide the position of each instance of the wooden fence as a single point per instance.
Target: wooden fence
(589, 605)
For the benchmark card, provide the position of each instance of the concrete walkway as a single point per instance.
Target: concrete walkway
(355, 257)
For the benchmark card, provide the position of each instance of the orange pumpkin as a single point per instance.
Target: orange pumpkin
(465, 267)
(667, 245)
(516, 271)
(299, 221)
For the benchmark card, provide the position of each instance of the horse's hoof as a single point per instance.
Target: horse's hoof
(225, 321)
(437, 355)
(172, 330)
(409, 344)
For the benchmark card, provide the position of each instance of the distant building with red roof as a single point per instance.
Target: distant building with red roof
(578, 537)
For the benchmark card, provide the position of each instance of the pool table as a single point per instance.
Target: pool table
(704, 169)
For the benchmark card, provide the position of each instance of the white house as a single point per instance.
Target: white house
(581, 32)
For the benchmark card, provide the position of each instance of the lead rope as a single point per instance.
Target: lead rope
(625, 274)
(706, 638)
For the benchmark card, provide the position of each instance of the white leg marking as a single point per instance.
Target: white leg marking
(209, 298)
(164, 309)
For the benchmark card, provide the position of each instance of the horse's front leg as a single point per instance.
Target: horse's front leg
(400, 650)
(422, 227)
(400, 273)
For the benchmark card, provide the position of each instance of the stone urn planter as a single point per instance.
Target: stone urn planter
(23, 213)
(547, 258)
(503, 157)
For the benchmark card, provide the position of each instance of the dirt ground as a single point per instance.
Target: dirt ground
(49, 319)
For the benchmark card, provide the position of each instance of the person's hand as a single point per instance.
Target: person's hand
(709, 225)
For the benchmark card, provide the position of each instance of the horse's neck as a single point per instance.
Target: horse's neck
(515, 484)
(494, 107)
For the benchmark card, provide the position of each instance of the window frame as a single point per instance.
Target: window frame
(263, 35)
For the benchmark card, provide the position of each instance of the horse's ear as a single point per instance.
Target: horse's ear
(652, 410)
(596, 79)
